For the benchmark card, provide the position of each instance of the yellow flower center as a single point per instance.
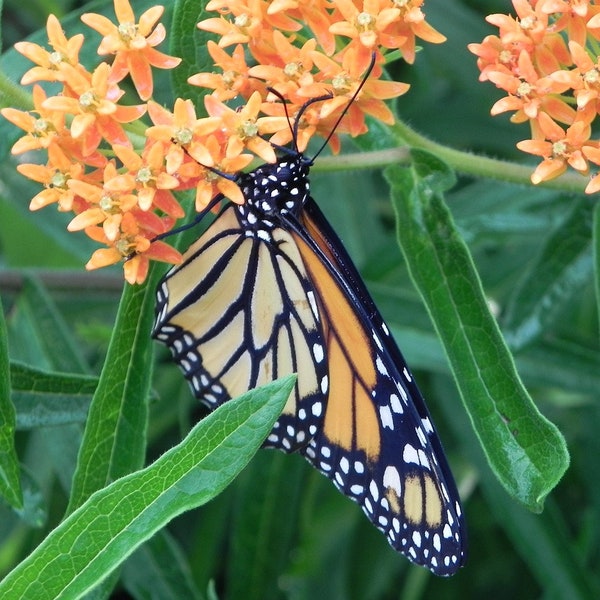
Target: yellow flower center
(183, 136)
(293, 69)
(401, 3)
(87, 100)
(242, 20)
(56, 58)
(106, 203)
(123, 246)
(560, 149)
(58, 180)
(524, 89)
(144, 175)
(248, 129)
(127, 31)
(528, 22)
(505, 57)
(229, 78)
(341, 83)
(591, 77)
(40, 127)
(365, 21)
(211, 176)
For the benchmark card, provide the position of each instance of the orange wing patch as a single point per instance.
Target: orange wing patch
(351, 421)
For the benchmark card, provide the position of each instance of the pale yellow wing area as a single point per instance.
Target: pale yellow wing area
(239, 312)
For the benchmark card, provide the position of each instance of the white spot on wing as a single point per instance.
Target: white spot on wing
(410, 454)
(391, 479)
(385, 415)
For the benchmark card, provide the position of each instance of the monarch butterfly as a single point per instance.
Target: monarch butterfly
(267, 290)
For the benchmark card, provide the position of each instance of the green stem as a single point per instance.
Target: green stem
(463, 162)
(482, 166)
(13, 95)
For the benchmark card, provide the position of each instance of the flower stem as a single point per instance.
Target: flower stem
(14, 95)
(482, 166)
(463, 162)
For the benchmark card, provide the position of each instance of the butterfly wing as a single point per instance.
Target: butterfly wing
(377, 443)
(238, 312)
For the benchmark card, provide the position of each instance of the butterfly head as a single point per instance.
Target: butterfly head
(275, 189)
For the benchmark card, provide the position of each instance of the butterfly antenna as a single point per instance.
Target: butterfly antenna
(295, 126)
(346, 109)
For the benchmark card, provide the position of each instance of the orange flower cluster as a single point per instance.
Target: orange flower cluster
(309, 49)
(122, 195)
(548, 62)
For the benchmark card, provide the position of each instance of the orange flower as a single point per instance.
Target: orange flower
(313, 14)
(244, 127)
(134, 246)
(529, 93)
(133, 44)
(96, 112)
(526, 31)
(55, 177)
(151, 179)
(365, 27)
(493, 55)
(573, 16)
(559, 149)
(107, 202)
(65, 52)
(179, 129)
(209, 178)
(584, 80)
(233, 80)
(291, 69)
(411, 25)
(346, 79)
(247, 24)
(42, 130)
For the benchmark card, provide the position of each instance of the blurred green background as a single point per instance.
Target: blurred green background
(282, 530)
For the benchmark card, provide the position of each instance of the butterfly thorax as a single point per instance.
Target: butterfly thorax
(272, 190)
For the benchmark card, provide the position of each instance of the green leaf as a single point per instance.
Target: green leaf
(596, 250)
(43, 398)
(92, 541)
(265, 517)
(114, 440)
(559, 273)
(554, 558)
(10, 487)
(55, 335)
(189, 43)
(159, 569)
(527, 452)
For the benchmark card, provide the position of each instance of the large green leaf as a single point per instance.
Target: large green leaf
(557, 276)
(526, 451)
(114, 441)
(189, 43)
(596, 250)
(92, 541)
(10, 487)
(43, 398)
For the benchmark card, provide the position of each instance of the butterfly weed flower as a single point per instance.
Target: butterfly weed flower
(133, 45)
(546, 59)
(49, 64)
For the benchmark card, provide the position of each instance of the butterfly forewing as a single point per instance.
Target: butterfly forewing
(377, 443)
(232, 324)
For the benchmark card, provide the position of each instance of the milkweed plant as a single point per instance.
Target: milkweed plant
(129, 137)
